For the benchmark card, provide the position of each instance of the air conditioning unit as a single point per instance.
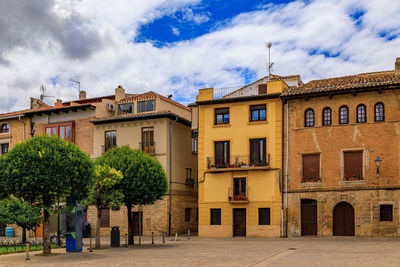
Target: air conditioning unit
(110, 107)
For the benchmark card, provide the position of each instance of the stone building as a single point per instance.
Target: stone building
(343, 156)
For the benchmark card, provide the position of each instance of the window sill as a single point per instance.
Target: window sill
(256, 122)
(354, 182)
(311, 184)
(238, 201)
(221, 125)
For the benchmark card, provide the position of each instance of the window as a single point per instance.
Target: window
(4, 128)
(64, 131)
(326, 116)
(258, 113)
(386, 213)
(110, 140)
(187, 214)
(264, 216)
(215, 215)
(310, 168)
(309, 118)
(144, 106)
(239, 189)
(222, 116)
(353, 165)
(343, 115)
(105, 217)
(148, 140)
(4, 148)
(361, 113)
(125, 108)
(221, 152)
(258, 151)
(262, 89)
(379, 112)
(195, 135)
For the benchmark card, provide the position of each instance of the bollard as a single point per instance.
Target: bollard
(90, 245)
(126, 240)
(188, 233)
(163, 238)
(176, 236)
(27, 252)
(152, 238)
(140, 239)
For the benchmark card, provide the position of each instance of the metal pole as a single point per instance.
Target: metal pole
(163, 238)
(126, 240)
(152, 238)
(27, 252)
(188, 233)
(176, 236)
(90, 244)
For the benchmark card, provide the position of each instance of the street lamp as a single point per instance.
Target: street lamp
(378, 162)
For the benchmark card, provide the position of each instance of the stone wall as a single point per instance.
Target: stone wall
(366, 204)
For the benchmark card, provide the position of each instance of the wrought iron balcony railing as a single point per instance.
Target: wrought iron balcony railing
(242, 197)
(248, 161)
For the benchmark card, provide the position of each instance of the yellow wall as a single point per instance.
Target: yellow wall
(262, 184)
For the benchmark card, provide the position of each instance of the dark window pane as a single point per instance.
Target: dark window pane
(62, 132)
(379, 112)
(343, 115)
(215, 215)
(125, 108)
(264, 216)
(353, 165)
(110, 139)
(222, 152)
(258, 113)
(309, 118)
(144, 106)
(4, 149)
(222, 116)
(361, 114)
(310, 168)
(258, 151)
(4, 128)
(386, 213)
(327, 116)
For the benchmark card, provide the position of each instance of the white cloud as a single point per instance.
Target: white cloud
(175, 31)
(295, 29)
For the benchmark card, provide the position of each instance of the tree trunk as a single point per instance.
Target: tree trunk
(23, 235)
(46, 236)
(130, 225)
(98, 228)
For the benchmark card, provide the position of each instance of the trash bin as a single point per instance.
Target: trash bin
(115, 242)
(87, 229)
(9, 232)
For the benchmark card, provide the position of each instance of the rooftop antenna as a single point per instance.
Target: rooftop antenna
(43, 92)
(270, 64)
(77, 83)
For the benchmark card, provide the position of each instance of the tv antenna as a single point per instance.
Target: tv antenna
(77, 83)
(270, 64)
(43, 93)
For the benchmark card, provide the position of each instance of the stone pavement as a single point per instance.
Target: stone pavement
(337, 251)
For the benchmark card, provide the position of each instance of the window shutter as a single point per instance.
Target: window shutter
(105, 217)
(353, 163)
(262, 89)
(311, 166)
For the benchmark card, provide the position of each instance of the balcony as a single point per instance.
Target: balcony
(238, 198)
(236, 163)
(148, 147)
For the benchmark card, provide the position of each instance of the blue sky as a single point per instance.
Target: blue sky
(179, 46)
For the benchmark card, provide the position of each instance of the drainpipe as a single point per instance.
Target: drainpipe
(170, 175)
(19, 118)
(287, 165)
(282, 165)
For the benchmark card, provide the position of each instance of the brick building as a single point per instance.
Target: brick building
(343, 155)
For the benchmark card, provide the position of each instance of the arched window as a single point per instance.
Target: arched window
(4, 128)
(361, 113)
(343, 115)
(379, 112)
(309, 118)
(327, 116)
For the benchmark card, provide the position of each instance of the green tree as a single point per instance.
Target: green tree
(13, 210)
(144, 179)
(43, 170)
(105, 192)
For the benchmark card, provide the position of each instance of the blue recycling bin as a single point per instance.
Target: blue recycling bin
(72, 227)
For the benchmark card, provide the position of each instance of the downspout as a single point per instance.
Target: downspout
(287, 165)
(19, 118)
(170, 175)
(282, 165)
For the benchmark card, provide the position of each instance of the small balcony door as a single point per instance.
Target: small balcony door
(148, 140)
(257, 150)
(239, 189)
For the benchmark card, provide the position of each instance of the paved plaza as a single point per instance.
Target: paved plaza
(338, 251)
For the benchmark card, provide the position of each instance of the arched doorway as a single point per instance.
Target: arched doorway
(343, 219)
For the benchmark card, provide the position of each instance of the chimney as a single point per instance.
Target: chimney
(397, 66)
(119, 93)
(82, 95)
(58, 101)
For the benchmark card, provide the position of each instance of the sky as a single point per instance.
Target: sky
(179, 46)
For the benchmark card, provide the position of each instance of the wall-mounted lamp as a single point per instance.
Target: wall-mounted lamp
(378, 162)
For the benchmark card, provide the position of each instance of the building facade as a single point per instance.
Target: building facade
(239, 161)
(343, 156)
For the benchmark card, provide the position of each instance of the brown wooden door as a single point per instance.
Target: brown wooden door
(135, 216)
(308, 217)
(239, 222)
(343, 220)
(2, 229)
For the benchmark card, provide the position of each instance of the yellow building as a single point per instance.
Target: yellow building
(239, 159)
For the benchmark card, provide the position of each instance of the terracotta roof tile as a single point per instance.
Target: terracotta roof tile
(152, 95)
(15, 113)
(351, 82)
